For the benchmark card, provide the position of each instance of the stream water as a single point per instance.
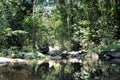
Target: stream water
(89, 70)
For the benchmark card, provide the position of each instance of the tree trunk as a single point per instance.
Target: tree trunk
(34, 25)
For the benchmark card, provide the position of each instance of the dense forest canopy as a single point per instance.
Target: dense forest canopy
(66, 24)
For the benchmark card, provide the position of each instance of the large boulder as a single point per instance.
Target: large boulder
(112, 54)
(53, 52)
(91, 56)
(4, 60)
(115, 61)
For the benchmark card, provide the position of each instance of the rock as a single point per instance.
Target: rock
(29, 55)
(109, 55)
(64, 55)
(114, 54)
(4, 60)
(74, 53)
(113, 65)
(92, 56)
(64, 52)
(115, 61)
(54, 53)
(56, 57)
(51, 63)
(40, 54)
(75, 60)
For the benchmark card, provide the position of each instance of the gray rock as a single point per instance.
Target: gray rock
(114, 54)
(115, 61)
(4, 60)
(54, 52)
(92, 56)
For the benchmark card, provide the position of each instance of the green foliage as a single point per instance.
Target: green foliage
(64, 24)
(29, 49)
(17, 55)
(102, 48)
(113, 46)
(14, 38)
(9, 52)
(12, 16)
(89, 22)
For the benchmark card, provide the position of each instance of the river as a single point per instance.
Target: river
(89, 70)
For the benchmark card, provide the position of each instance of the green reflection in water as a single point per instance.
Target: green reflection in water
(89, 70)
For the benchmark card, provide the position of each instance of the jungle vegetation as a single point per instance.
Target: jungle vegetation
(93, 25)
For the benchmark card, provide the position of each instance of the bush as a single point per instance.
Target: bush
(14, 38)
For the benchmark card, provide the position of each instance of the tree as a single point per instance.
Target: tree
(13, 13)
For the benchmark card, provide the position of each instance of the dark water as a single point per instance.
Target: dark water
(64, 71)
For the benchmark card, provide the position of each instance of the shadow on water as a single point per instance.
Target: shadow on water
(96, 70)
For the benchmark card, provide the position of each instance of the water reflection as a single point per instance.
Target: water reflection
(65, 71)
(11, 74)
